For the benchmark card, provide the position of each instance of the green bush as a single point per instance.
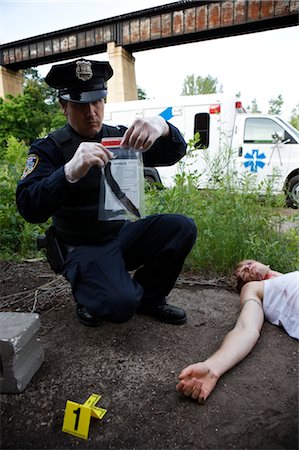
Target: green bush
(17, 237)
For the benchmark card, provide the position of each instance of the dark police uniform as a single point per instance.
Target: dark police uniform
(102, 252)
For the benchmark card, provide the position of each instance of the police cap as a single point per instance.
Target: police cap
(81, 81)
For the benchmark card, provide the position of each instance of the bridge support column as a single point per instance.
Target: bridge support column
(122, 86)
(11, 82)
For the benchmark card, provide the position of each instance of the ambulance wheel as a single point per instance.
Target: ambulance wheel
(149, 179)
(153, 183)
(293, 192)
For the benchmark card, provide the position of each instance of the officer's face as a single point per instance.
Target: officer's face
(85, 118)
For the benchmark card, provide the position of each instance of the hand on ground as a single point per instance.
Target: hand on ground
(197, 381)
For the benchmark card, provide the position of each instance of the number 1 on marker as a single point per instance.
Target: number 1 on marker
(77, 412)
(78, 425)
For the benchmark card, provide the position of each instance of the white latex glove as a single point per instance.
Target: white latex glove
(142, 134)
(88, 154)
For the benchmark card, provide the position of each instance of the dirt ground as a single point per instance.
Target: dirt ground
(134, 366)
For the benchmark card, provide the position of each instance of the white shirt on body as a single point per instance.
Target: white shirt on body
(281, 302)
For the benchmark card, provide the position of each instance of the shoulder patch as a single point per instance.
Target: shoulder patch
(31, 163)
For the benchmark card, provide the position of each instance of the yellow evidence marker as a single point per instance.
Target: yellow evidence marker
(77, 417)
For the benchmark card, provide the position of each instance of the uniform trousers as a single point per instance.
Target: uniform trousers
(155, 247)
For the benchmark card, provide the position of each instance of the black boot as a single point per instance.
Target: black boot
(86, 318)
(164, 313)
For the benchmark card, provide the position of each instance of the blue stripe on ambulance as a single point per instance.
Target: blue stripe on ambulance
(167, 113)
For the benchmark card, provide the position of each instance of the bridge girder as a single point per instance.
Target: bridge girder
(173, 24)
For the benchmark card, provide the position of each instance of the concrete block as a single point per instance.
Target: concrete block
(21, 353)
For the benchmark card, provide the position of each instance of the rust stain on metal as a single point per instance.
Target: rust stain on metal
(48, 48)
(190, 15)
(72, 42)
(178, 22)
(201, 18)
(294, 6)
(11, 56)
(134, 27)
(33, 52)
(90, 38)
(18, 54)
(56, 46)
(64, 44)
(107, 34)
(98, 35)
(166, 24)
(155, 27)
(214, 15)
(25, 52)
(267, 9)
(240, 12)
(81, 40)
(40, 49)
(227, 13)
(145, 29)
(126, 33)
(281, 7)
(253, 10)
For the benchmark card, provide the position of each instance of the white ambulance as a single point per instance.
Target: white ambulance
(261, 144)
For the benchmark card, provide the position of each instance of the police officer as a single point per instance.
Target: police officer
(62, 180)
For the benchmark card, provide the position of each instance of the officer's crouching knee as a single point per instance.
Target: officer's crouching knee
(122, 308)
(186, 228)
(192, 229)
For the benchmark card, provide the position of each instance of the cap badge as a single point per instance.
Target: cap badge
(83, 70)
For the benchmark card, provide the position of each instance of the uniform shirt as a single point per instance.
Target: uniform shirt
(281, 302)
(44, 191)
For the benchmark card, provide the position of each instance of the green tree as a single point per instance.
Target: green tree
(23, 116)
(254, 107)
(29, 115)
(34, 82)
(275, 105)
(141, 94)
(36, 86)
(295, 117)
(200, 85)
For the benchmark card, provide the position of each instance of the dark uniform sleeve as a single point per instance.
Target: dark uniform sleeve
(43, 187)
(166, 151)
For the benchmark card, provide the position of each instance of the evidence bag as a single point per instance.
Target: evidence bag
(121, 183)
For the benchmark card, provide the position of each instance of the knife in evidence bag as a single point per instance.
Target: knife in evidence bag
(119, 194)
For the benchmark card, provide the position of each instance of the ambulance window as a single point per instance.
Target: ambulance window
(260, 131)
(202, 126)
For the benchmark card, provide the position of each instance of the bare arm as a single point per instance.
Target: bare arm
(199, 380)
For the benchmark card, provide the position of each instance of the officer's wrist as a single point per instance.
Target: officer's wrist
(164, 126)
(68, 175)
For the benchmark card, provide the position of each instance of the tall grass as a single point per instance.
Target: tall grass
(236, 218)
(17, 237)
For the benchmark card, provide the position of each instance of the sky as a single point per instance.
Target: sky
(259, 65)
